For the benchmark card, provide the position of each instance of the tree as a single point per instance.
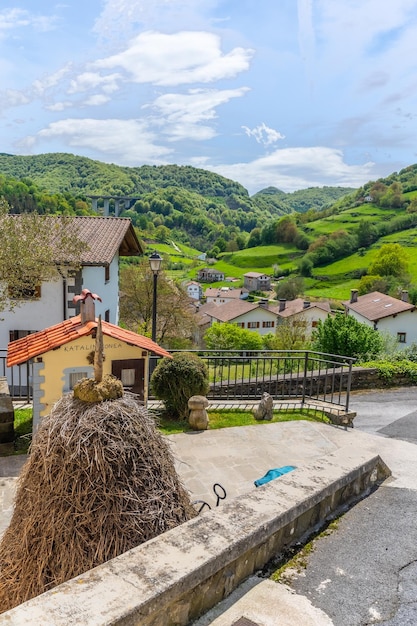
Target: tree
(34, 249)
(290, 288)
(391, 260)
(343, 334)
(231, 337)
(175, 318)
(291, 334)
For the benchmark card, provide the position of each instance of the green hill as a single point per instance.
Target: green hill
(183, 203)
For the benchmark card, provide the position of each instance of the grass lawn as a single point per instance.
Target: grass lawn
(23, 430)
(235, 417)
(218, 419)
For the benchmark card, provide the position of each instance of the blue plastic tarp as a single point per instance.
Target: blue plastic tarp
(274, 473)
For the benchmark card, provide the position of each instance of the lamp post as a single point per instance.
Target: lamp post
(155, 261)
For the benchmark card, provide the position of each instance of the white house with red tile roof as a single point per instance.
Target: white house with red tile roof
(64, 353)
(222, 295)
(302, 310)
(384, 313)
(106, 239)
(250, 315)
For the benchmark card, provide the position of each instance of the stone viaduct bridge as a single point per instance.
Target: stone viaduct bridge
(120, 204)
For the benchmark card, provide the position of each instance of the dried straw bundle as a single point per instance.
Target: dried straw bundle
(100, 480)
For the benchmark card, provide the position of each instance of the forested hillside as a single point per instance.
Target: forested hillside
(183, 203)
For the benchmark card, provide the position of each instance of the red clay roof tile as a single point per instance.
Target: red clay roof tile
(34, 345)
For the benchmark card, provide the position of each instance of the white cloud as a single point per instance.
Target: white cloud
(128, 141)
(11, 19)
(92, 80)
(297, 168)
(59, 106)
(96, 100)
(183, 113)
(177, 59)
(49, 81)
(263, 134)
(120, 17)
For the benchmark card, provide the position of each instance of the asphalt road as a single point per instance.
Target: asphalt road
(365, 571)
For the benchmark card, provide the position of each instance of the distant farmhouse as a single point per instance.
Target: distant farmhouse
(254, 281)
(194, 290)
(385, 313)
(209, 275)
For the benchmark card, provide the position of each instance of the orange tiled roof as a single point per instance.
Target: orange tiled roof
(34, 345)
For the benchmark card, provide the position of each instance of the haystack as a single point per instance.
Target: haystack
(100, 479)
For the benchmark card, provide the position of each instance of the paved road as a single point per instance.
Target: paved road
(365, 572)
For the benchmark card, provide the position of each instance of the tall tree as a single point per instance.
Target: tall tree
(34, 248)
(391, 260)
(175, 317)
(343, 334)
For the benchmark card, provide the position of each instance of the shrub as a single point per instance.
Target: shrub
(175, 380)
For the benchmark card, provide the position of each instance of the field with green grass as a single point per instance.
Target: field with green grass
(333, 281)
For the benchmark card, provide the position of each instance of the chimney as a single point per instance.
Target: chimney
(87, 305)
(306, 304)
(263, 303)
(282, 303)
(353, 296)
(404, 295)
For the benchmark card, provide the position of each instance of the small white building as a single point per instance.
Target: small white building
(299, 310)
(222, 295)
(385, 313)
(252, 316)
(194, 290)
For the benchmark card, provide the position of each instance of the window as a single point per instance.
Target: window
(75, 377)
(401, 337)
(107, 315)
(240, 324)
(107, 273)
(314, 324)
(127, 377)
(253, 324)
(269, 324)
(25, 293)
(18, 334)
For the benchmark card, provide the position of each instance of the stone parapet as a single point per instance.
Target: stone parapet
(181, 574)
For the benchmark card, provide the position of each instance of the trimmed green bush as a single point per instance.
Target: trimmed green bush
(175, 380)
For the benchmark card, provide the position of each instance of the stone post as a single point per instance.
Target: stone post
(6, 418)
(198, 418)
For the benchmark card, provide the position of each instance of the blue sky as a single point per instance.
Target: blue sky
(288, 93)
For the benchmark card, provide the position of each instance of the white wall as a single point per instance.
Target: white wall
(257, 315)
(34, 314)
(405, 322)
(94, 280)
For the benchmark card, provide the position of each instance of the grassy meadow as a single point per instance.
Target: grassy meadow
(333, 281)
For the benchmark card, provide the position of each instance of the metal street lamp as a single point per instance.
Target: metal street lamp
(155, 261)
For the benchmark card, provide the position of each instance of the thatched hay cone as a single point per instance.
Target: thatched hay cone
(100, 479)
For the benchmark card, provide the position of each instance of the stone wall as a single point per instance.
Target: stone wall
(180, 575)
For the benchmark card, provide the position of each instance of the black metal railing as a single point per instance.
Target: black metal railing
(239, 375)
(284, 374)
